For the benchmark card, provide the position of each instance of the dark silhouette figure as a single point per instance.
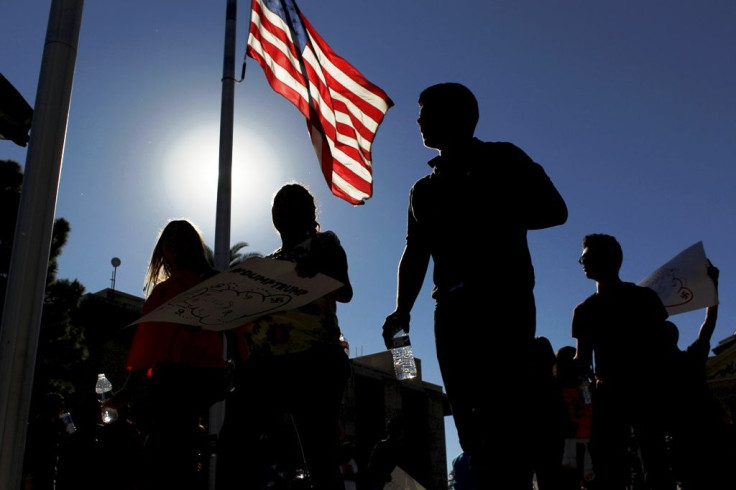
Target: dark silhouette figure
(460, 478)
(46, 443)
(348, 465)
(577, 465)
(549, 421)
(622, 325)
(702, 445)
(471, 216)
(285, 411)
(179, 371)
(385, 456)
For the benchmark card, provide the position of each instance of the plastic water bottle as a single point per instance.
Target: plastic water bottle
(345, 345)
(404, 364)
(585, 389)
(103, 388)
(66, 417)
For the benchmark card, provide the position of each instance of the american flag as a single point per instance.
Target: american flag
(342, 108)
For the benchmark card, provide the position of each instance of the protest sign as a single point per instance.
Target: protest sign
(401, 480)
(232, 298)
(683, 283)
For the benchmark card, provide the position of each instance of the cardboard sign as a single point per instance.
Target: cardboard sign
(401, 480)
(683, 283)
(253, 288)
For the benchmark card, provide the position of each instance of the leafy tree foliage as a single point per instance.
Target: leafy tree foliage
(236, 254)
(62, 347)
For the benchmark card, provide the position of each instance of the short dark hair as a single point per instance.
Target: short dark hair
(671, 334)
(606, 247)
(454, 98)
(299, 202)
(566, 353)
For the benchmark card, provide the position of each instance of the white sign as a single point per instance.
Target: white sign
(401, 480)
(683, 283)
(251, 289)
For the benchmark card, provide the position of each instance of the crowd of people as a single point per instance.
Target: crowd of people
(624, 400)
(643, 401)
(660, 428)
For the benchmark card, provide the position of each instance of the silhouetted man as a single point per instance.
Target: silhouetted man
(622, 325)
(471, 215)
(702, 444)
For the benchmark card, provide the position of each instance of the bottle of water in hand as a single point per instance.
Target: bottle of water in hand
(69, 426)
(404, 364)
(103, 388)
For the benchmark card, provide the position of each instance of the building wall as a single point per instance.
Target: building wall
(721, 372)
(374, 395)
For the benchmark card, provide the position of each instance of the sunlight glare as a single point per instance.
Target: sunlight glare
(192, 172)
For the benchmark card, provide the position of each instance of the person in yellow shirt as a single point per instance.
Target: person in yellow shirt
(287, 404)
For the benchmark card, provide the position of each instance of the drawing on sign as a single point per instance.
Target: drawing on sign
(683, 283)
(667, 280)
(215, 304)
(238, 296)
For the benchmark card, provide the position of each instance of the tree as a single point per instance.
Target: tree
(61, 346)
(236, 255)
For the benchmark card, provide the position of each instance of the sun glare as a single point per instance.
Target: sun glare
(192, 165)
(192, 168)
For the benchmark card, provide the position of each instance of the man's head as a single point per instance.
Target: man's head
(448, 114)
(602, 257)
(566, 368)
(671, 335)
(293, 211)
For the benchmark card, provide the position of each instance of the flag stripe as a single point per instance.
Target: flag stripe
(372, 100)
(327, 117)
(342, 108)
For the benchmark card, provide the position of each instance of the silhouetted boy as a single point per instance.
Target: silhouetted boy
(622, 325)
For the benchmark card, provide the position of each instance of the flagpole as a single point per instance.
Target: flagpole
(21, 319)
(224, 198)
(224, 184)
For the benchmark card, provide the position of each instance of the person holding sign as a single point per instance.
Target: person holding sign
(287, 402)
(702, 442)
(182, 367)
(622, 325)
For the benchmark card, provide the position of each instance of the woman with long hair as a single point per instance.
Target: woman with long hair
(181, 368)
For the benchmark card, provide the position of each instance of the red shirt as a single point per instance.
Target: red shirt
(157, 342)
(579, 411)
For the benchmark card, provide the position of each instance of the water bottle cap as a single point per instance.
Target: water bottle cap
(101, 375)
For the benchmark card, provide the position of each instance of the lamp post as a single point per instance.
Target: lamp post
(115, 264)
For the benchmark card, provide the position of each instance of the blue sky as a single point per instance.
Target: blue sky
(630, 107)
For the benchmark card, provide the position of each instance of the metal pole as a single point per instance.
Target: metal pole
(32, 240)
(224, 184)
(224, 198)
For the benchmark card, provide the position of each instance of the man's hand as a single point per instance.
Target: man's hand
(713, 273)
(394, 322)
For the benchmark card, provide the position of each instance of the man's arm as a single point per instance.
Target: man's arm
(545, 206)
(584, 355)
(583, 347)
(412, 270)
(711, 313)
(535, 198)
(584, 361)
(410, 278)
